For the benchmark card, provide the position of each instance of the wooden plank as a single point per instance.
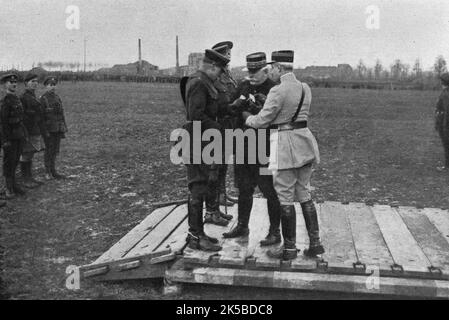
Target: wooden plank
(337, 237)
(311, 281)
(368, 241)
(236, 250)
(259, 226)
(162, 230)
(403, 247)
(119, 250)
(302, 242)
(440, 219)
(202, 257)
(431, 241)
(177, 240)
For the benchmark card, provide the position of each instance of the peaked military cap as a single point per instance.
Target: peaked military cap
(282, 56)
(51, 79)
(9, 77)
(212, 56)
(30, 76)
(445, 78)
(255, 61)
(223, 46)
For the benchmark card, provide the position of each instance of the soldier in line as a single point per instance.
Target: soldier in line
(200, 97)
(55, 125)
(248, 175)
(13, 133)
(34, 123)
(293, 151)
(442, 118)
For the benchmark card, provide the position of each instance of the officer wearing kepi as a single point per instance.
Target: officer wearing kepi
(200, 98)
(13, 133)
(248, 174)
(55, 125)
(293, 150)
(442, 118)
(34, 123)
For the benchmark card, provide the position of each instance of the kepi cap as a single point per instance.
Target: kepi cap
(283, 56)
(255, 62)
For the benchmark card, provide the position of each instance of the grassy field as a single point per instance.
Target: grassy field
(377, 146)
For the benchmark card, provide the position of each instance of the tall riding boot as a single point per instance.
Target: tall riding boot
(30, 174)
(25, 168)
(196, 238)
(288, 221)
(245, 204)
(17, 190)
(274, 233)
(9, 189)
(311, 220)
(213, 213)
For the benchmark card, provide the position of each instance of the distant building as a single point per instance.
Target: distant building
(342, 71)
(172, 72)
(131, 69)
(195, 61)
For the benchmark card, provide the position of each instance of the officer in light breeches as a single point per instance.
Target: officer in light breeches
(293, 150)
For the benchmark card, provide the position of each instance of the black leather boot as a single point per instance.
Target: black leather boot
(273, 237)
(9, 189)
(239, 231)
(201, 242)
(288, 221)
(25, 168)
(311, 220)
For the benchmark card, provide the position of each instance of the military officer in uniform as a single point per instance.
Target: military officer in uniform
(442, 118)
(224, 84)
(248, 175)
(13, 133)
(55, 125)
(200, 97)
(34, 123)
(292, 153)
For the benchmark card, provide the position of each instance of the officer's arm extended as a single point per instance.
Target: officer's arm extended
(269, 111)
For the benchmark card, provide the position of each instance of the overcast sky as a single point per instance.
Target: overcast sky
(322, 32)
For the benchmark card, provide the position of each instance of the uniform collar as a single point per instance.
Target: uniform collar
(288, 77)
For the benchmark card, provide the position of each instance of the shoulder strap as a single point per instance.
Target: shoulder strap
(301, 102)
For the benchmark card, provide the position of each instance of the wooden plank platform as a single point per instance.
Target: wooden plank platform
(405, 247)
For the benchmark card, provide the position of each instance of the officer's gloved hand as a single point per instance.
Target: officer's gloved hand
(260, 98)
(253, 107)
(237, 105)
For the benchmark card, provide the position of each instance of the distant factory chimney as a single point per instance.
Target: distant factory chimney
(177, 57)
(139, 70)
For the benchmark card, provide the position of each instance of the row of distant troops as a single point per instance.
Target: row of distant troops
(24, 122)
(269, 97)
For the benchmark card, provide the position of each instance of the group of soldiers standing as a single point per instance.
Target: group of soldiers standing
(25, 121)
(270, 97)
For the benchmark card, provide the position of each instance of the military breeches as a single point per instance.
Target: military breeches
(248, 178)
(11, 156)
(293, 184)
(52, 146)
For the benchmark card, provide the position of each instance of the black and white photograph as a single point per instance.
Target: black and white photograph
(224, 155)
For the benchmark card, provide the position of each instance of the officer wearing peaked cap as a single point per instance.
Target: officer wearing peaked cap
(13, 133)
(293, 150)
(225, 86)
(55, 125)
(442, 118)
(34, 123)
(200, 97)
